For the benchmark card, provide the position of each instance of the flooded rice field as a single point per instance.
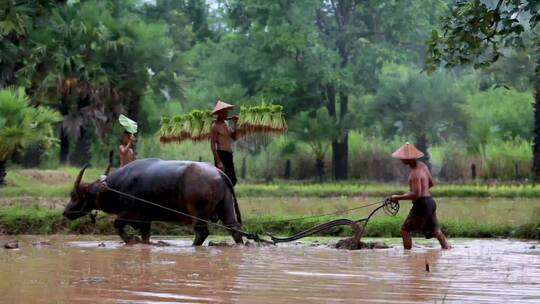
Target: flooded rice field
(68, 269)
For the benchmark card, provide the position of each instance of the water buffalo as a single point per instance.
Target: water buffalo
(195, 188)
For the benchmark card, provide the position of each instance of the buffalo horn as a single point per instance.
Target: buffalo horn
(79, 177)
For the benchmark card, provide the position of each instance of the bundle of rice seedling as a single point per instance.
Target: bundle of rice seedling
(201, 125)
(206, 126)
(165, 130)
(185, 130)
(264, 118)
(197, 125)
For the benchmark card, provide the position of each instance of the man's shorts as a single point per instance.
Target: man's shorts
(226, 158)
(422, 217)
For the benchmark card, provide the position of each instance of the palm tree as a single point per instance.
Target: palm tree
(95, 60)
(22, 125)
(316, 128)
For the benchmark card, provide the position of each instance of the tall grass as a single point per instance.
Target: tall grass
(507, 160)
(369, 159)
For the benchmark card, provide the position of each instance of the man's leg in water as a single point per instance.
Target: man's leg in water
(407, 241)
(442, 239)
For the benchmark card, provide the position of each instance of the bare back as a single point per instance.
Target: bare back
(420, 180)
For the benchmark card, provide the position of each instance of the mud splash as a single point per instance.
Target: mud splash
(352, 244)
(77, 270)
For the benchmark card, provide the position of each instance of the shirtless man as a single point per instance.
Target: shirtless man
(221, 140)
(126, 149)
(423, 216)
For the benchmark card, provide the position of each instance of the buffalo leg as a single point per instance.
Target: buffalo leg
(119, 225)
(145, 232)
(201, 233)
(237, 237)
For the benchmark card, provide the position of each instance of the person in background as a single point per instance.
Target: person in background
(423, 216)
(222, 138)
(127, 154)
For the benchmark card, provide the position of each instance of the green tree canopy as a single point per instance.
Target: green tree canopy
(22, 125)
(480, 33)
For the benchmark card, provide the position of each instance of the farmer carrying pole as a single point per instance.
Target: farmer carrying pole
(222, 138)
(423, 216)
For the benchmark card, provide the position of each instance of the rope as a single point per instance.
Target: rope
(324, 214)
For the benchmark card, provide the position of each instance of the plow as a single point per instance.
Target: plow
(358, 226)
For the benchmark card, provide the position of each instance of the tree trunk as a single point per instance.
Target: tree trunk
(422, 145)
(82, 153)
(340, 147)
(64, 148)
(64, 139)
(340, 151)
(287, 174)
(2, 172)
(319, 166)
(536, 135)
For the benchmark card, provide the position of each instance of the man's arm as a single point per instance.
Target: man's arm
(415, 193)
(213, 146)
(124, 149)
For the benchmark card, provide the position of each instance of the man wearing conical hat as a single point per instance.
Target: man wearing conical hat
(423, 216)
(222, 138)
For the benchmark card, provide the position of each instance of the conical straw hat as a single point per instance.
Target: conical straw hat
(407, 151)
(220, 105)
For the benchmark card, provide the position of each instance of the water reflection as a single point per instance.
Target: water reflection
(78, 271)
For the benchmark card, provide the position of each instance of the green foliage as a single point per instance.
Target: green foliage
(316, 128)
(476, 32)
(22, 124)
(95, 59)
(489, 116)
(419, 105)
(335, 66)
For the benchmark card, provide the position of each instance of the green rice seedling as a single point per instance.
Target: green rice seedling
(263, 118)
(177, 122)
(164, 130)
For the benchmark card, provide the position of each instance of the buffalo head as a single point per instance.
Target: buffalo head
(83, 197)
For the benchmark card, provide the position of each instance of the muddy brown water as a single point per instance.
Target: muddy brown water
(79, 270)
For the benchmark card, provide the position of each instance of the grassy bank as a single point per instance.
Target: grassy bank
(381, 190)
(58, 184)
(16, 220)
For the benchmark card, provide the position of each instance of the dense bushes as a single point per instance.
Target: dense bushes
(370, 159)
